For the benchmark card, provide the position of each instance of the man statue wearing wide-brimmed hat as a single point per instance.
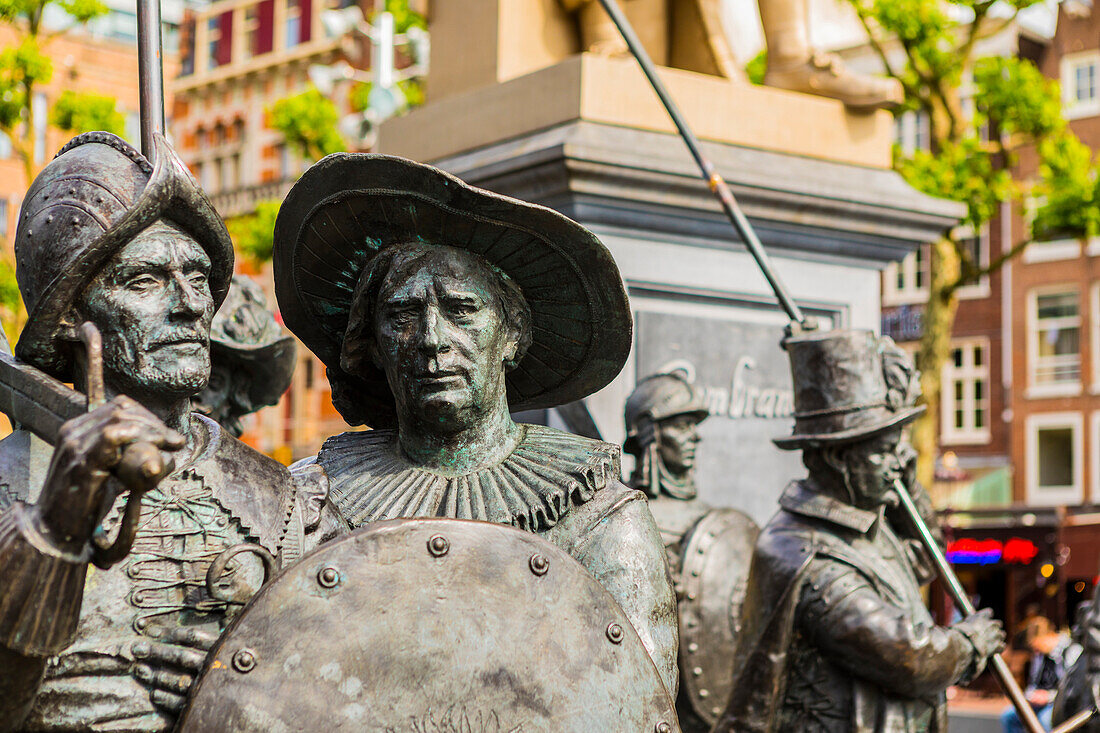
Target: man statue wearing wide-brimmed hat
(139, 252)
(440, 308)
(835, 634)
(708, 548)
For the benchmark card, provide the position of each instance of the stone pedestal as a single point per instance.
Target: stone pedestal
(588, 137)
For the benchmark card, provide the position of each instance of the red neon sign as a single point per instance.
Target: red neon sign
(969, 551)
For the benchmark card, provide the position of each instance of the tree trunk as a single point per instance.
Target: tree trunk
(935, 349)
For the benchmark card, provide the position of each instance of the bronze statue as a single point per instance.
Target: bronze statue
(708, 549)
(438, 308)
(836, 636)
(139, 252)
(1079, 691)
(688, 34)
(251, 360)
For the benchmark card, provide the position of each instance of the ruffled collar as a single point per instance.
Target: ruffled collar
(532, 489)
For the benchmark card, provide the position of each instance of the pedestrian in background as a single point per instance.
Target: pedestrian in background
(1052, 653)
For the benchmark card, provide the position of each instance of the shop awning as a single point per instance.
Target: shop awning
(991, 490)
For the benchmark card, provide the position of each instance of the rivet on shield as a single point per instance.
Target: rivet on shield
(615, 633)
(698, 671)
(704, 693)
(539, 564)
(244, 661)
(328, 577)
(438, 545)
(662, 727)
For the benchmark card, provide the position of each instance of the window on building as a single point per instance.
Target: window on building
(977, 245)
(286, 162)
(1054, 458)
(219, 40)
(229, 172)
(1055, 338)
(1055, 446)
(912, 131)
(1080, 78)
(293, 23)
(4, 214)
(265, 28)
(252, 29)
(965, 393)
(906, 282)
(41, 114)
(5, 146)
(213, 37)
(209, 177)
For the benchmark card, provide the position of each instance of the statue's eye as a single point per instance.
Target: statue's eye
(462, 309)
(401, 316)
(141, 282)
(198, 279)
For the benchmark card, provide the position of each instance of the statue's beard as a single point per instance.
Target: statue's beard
(157, 374)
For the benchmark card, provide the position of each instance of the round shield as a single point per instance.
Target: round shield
(716, 561)
(431, 625)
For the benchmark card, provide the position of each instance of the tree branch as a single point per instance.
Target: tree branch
(1004, 257)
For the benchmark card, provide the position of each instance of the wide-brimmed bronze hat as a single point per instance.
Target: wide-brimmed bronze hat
(349, 206)
(848, 386)
(245, 335)
(93, 198)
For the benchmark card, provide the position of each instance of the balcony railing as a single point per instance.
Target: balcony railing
(243, 200)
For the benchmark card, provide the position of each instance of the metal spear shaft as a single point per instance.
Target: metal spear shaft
(150, 74)
(717, 184)
(958, 593)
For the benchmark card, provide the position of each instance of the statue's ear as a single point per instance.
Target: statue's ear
(511, 350)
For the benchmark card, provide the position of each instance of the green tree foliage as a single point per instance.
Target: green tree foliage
(308, 123)
(26, 65)
(757, 67)
(78, 112)
(404, 17)
(254, 234)
(973, 151)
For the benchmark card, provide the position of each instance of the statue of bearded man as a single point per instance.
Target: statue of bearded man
(439, 309)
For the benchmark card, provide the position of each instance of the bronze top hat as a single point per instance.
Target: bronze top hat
(348, 207)
(96, 195)
(848, 385)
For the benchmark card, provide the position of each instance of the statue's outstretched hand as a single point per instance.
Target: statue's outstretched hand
(91, 448)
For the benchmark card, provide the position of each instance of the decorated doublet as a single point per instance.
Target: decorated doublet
(225, 494)
(559, 486)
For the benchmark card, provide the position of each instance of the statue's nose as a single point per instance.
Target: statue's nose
(433, 332)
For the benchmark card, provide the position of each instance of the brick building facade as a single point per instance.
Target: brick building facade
(238, 57)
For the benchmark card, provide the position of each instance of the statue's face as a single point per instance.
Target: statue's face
(152, 304)
(442, 340)
(677, 438)
(874, 464)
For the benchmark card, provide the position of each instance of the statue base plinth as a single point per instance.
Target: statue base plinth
(614, 91)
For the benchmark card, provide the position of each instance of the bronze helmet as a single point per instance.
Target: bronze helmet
(848, 385)
(655, 398)
(93, 198)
